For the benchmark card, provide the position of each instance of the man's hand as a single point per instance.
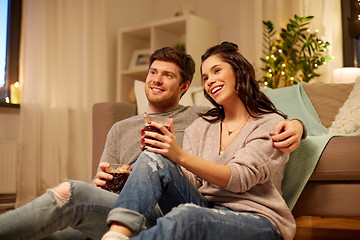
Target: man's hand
(287, 135)
(101, 176)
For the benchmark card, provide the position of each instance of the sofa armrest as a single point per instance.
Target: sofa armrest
(104, 115)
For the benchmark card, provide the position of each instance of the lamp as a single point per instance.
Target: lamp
(345, 75)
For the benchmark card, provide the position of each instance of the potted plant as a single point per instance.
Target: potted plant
(293, 57)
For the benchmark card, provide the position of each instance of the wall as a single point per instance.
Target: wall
(142, 11)
(240, 21)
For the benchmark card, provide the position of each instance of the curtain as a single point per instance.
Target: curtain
(327, 20)
(63, 73)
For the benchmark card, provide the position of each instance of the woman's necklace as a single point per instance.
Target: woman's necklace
(241, 124)
(222, 148)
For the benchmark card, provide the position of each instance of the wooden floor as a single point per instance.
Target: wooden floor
(7, 202)
(317, 228)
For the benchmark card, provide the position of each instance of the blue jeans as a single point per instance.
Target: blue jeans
(83, 216)
(187, 214)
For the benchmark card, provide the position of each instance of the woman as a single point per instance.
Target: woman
(227, 154)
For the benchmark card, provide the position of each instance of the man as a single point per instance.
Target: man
(80, 208)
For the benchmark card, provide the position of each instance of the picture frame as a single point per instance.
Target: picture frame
(139, 59)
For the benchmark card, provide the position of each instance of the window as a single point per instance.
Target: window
(350, 11)
(10, 22)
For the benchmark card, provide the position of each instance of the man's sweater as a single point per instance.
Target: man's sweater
(123, 140)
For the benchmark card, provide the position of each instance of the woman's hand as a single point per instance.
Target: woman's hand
(166, 144)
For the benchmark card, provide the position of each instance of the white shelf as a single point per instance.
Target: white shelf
(196, 33)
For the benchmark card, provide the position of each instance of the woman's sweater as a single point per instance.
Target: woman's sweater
(256, 169)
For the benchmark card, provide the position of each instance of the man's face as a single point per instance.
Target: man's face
(162, 88)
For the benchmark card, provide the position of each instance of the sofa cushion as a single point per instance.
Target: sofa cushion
(327, 99)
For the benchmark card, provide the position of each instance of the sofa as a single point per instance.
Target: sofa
(333, 189)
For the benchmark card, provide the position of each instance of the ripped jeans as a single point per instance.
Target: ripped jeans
(81, 216)
(187, 214)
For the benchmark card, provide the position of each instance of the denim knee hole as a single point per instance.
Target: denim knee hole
(62, 193)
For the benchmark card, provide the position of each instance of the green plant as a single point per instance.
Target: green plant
(295, 56)
(180, 46)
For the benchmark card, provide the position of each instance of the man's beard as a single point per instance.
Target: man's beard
(161, 102)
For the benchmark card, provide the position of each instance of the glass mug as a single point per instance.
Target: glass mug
(120, 173)
(159, 119)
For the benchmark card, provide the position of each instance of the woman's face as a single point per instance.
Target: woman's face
(219, 80)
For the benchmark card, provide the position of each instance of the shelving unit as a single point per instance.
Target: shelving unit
(197, 34)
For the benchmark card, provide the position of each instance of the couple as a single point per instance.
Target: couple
(224, 183)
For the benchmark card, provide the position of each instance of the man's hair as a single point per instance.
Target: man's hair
(184, 61)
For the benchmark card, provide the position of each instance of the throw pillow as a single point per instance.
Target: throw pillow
(348, 119)
(141, 100)
(200, 99)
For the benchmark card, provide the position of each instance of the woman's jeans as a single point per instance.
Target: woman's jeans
(187, 214)
(83, 216)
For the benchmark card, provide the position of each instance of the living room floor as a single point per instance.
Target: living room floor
(317, 228)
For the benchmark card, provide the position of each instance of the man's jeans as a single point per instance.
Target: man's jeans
(85, 213)
(187, 214)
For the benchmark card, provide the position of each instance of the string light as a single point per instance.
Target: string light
(288, 73)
